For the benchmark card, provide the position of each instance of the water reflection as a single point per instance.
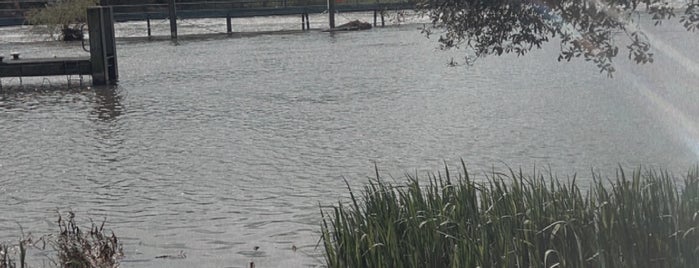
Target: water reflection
(106, 100)
(107, 103)
(23, 98)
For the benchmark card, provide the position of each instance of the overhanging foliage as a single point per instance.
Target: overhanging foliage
(586, 28)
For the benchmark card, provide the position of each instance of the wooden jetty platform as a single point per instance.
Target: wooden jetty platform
(45, 67)
(101, 65)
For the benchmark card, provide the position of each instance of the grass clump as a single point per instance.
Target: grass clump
(13, 256)
(78, 249)
(73, 247)
(643, 219)
(6, 259)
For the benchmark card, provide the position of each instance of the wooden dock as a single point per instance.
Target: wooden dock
(45, 67)
(101, 65)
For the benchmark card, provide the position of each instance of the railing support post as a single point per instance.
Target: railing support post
(382, 22)
(374, 17)
(148, 25)
(229, 26)
(331, 13)
(172, 12)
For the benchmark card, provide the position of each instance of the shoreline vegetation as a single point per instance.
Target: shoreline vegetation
(643, 219)
(72, 247)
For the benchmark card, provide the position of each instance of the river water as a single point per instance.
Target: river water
(215, 146)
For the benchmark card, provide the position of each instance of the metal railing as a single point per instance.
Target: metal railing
(12, 11)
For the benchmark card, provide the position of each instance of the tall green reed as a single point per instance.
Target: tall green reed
(643, 219)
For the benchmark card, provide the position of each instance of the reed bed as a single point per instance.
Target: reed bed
(642, 219)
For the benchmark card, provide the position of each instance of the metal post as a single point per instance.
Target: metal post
(229, 26)
(172, 12)
(331, 13)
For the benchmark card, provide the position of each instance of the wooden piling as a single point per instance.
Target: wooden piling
(103, 57)
(229, 26)
(303, 22)
(308, 22)
(148, 25)
(374, 17)
(382, 22)
(172, 12)
(331, 13)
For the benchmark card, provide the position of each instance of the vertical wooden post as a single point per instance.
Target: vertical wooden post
(110, 44)
(172, 12)
(303, 22)
(148, 25)
(229, 26)
(97, 50)
(382, 22)
(374, 17)
(103, 57)
(331, 13)
(308, 22)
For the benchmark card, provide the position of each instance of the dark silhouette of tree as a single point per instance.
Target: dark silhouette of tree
(585, 28)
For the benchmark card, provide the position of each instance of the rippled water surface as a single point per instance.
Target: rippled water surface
(213, 147)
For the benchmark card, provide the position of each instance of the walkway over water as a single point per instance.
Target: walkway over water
(12, 11)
